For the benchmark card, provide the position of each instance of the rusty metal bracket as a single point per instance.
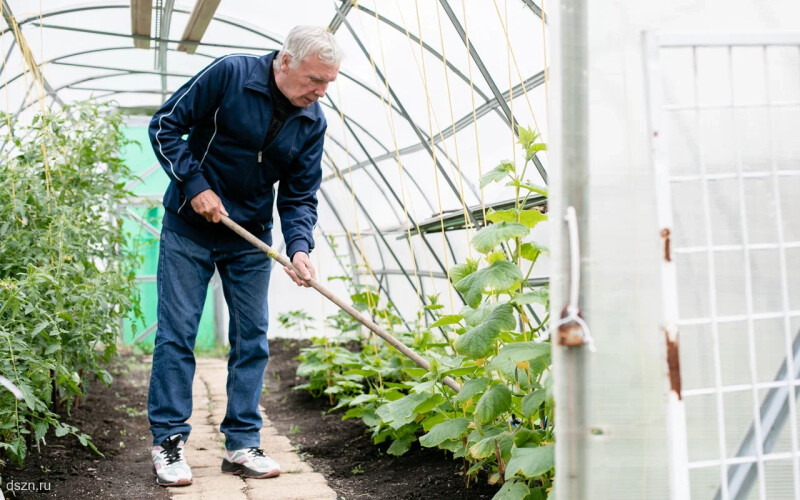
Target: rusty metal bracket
(571, 328)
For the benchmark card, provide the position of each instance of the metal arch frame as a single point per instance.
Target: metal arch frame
(536, 9)
(383, 239)
(85, 52)
(417, 130)
(391, 190)
(254, 30)
(381, 287)
(486, 76)
(369, 176)
(462, 123)
(161, 51)
(427, 47)
(500, 102)
(352, 254)
(8, 55)
(222, 19)
(126, 72)
(8, 15)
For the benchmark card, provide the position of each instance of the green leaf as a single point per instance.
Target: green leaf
(471, 388)
(531, 251)
(447, 320)
(523, 351)
(523, 436)
(533, 187)
(40, 429)
(538, 296)
(495, 256)
(429, 422)
(474, 317)
(401, 445)
(41, 326)
(492, 235)
(498, 173)
(501, 275)
(532, 401)
(512, 491)
(478, 342)
(52, 348)
(429, 404)
(526, 137)
(511, 354)
(401, 412)
(529, 217)
(486, 446)
(449, 429)
(461, 271)
(530, 462)
(531, 151)
(363, 398)
(366, 298)
(493, 402)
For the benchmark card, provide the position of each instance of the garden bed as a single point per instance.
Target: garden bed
(345, 455)
(116, 418)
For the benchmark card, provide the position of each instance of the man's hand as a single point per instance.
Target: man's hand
(208, 204)
(302, 263)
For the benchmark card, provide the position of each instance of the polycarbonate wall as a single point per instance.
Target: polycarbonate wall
(391, 97)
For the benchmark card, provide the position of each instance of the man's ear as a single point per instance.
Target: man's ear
(285, 62)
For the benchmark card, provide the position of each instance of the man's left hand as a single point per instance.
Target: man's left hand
(302, 263)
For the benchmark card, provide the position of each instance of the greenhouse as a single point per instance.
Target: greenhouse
(521, 249)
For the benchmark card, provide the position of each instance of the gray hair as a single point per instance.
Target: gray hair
(303, 41)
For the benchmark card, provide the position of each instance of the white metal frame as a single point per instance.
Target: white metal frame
(734, 478)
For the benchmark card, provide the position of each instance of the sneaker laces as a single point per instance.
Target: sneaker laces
(256, 452)
(171, 451)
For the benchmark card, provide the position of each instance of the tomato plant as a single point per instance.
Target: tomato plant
(501, 421)
(66, 277)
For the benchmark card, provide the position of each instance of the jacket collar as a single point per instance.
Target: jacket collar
(259, 81)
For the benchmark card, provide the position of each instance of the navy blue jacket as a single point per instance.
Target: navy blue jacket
(226, 110)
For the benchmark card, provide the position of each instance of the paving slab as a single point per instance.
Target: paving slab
(205, 449)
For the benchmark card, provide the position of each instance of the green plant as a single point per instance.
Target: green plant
(66, 276)
(296, 320)
(501, 421)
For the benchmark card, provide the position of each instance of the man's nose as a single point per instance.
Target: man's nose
(320, 90)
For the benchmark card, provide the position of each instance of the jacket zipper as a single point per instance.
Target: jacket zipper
(261, 152)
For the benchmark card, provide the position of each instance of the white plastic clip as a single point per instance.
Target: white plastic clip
(11, 387)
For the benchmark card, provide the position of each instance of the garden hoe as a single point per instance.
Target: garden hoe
(449, 382)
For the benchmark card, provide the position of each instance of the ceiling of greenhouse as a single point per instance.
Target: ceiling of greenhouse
(423, 104)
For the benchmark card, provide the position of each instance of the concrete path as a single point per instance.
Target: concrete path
(205, 448)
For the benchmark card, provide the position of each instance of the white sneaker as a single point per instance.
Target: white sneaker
(250, 462)
(169, 465)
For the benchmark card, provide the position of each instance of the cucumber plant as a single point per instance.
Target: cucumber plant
(501, 422)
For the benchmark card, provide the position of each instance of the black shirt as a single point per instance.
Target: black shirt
(281, 109)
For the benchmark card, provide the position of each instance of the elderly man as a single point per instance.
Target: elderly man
(251, 121)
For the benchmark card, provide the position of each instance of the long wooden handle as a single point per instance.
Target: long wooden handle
(380, 332)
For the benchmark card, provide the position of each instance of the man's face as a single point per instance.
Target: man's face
(307, 83)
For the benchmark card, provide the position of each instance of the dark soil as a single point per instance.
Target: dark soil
(345, 455)
(116, 418)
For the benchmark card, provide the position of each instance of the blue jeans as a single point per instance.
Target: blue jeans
(184, 270)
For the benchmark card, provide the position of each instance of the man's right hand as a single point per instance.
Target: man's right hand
(208, 204)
